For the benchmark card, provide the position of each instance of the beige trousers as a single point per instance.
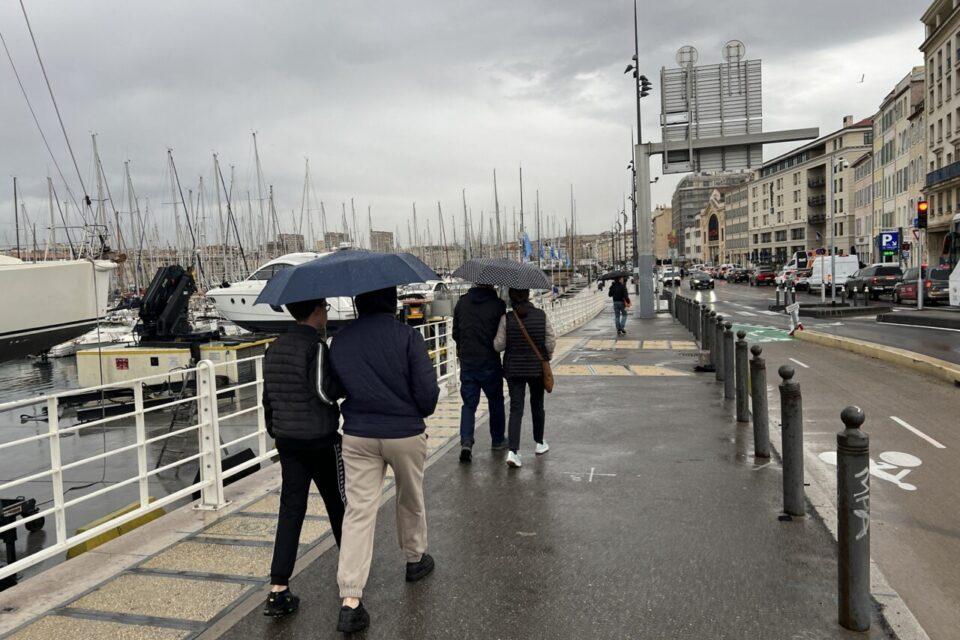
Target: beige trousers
(365, 462)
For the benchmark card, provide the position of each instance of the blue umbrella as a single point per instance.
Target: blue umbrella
(344, 273)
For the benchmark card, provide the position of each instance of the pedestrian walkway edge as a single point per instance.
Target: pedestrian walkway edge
(920, 363)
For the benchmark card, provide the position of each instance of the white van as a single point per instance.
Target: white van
(844, 267)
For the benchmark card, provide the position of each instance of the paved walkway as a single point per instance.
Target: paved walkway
(647, 519)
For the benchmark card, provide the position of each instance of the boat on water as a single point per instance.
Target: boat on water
(236, 301)
(112, 331)
(47, 303)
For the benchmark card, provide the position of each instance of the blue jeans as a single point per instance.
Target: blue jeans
(620, 315)
(474, 380)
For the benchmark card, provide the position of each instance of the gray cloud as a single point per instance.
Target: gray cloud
(412, 101)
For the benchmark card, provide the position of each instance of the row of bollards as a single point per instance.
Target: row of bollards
(789, 295)
(745, 382)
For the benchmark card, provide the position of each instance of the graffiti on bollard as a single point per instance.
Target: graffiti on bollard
(853, 522)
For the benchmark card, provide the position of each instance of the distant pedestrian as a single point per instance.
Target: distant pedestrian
(621, 301)
(300, 405)
(475, 322)
(522, 366)
(390, 387)
(599, 285)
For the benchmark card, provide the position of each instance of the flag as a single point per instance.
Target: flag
(527, 246)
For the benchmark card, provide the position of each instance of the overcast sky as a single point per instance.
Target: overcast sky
(402, 102)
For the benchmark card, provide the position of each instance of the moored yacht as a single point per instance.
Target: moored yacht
(46, 303)
(235, 301)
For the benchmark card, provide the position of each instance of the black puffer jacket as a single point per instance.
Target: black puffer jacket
(475, 322)
(300, 390)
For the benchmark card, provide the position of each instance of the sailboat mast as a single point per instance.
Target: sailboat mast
(16, 216)
(466, 229)
(496, 206)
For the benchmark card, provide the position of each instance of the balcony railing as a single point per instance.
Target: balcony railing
(813, 183)
(943, 174)
(817, 218)
(817, 201)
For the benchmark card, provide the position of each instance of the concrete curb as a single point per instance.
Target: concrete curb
(894, 612)
(927, 365)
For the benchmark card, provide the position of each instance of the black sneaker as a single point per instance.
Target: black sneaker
(420, 570)
(499, 446)
(466, 454)
(352, 620)
(280, 603)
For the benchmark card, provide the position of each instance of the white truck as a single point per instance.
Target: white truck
(843, 268)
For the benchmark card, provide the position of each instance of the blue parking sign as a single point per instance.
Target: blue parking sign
(889, 240)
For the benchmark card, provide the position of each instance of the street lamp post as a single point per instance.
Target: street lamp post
(833, 164)
(643, 240)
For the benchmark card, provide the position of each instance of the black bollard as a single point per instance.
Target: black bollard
(709, 333)
(718, 348)
(791, 430)
(758, 393)
(853, 522)
(743, 400)
(729, 380)
(793, 295)
(778, 296)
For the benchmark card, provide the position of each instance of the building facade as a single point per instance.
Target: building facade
(898, 162)
(381, 241)
(790, 198)
(664, 240)
(941, 55)
(737, 225)
(863, 229)
(713, 229)
(692, 194)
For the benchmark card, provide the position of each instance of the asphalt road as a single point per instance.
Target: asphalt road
(748, 305)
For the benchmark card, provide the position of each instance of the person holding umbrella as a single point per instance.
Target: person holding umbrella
(527, 338)
(390, 387)
(621, 302)
(475, 321)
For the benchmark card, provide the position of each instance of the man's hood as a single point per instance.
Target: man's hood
(479, 295)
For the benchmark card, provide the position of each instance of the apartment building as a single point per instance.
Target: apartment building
(941, 53)
(863, 232)
(693, 193)
(664, 240)
(789, 208)
(898, 160)
(693, 246)
(737, 224)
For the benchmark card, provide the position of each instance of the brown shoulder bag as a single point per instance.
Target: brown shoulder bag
(544, 363)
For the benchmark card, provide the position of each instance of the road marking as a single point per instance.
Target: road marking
(799, 363)
(746, 313)
(916, 431)
(890, 461)
(769, 313)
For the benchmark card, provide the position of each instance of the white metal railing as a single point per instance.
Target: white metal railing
(212, 407)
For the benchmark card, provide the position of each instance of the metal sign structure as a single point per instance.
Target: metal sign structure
(712, 101)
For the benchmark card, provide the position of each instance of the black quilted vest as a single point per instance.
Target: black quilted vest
(298, 412)
(519, 360)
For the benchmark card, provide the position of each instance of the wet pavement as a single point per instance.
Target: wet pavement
(647, 519)
(912, 424)
(748, 305)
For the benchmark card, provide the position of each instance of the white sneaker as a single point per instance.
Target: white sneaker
(513, 460)
(541, 448)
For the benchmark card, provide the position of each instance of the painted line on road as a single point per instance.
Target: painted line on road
(805, 366)
(769, 313)
(746, 313)
(916, 431)
(918, 326)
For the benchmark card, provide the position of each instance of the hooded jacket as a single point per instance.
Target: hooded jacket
(475, 322)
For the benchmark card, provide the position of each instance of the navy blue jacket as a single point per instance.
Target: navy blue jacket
(389, 380)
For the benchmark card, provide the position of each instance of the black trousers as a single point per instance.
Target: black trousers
(518, 387)
(299, 465)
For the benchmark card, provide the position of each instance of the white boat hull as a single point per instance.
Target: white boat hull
(46, 303)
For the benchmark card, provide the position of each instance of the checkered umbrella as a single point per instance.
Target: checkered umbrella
(503, 272)
(613, 275)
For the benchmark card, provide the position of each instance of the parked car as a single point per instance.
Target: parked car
(878, 278)
(743, 275)
(701, 280)
(762, 276)
(786, 277)
(936, 284)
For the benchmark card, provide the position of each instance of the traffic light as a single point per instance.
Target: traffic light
(922, 214)
(645, 86)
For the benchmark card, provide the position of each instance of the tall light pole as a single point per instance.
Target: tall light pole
(643, 240)
(833, 164)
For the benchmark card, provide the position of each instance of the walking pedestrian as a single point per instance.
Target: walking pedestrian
(522, 367)
(300, 405)
(621, 301)
(599, 285)
(390, 387)
(475, 321)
